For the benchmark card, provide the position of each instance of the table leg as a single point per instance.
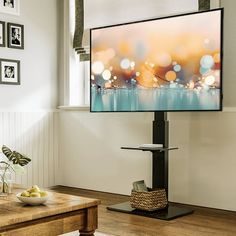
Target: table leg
(91, 222)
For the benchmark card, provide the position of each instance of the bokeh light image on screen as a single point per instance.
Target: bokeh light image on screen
(165, 64)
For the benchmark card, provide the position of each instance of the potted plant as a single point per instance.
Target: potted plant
(13, 161)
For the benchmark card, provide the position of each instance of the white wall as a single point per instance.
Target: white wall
(229, 53)
(38, 89)
(34, 134)
(27, 117)
(90, 155)
(202, 171)
(106, 12)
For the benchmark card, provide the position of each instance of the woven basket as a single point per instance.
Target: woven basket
(149, 201)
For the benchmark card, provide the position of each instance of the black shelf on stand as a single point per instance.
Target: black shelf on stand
(159, 172)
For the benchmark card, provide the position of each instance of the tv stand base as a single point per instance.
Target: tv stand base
(169, 213)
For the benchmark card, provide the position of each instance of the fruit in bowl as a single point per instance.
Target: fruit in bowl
(33, 196)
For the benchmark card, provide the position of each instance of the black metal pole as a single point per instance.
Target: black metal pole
(160, 159)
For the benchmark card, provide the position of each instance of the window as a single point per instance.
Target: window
(78, 82)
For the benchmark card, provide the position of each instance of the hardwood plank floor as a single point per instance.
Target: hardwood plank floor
(204, 221)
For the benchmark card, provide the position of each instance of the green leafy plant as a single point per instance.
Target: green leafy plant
(15, 161)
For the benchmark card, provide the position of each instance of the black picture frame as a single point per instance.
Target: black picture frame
(12, 68)
(3, 34)
(15, 41)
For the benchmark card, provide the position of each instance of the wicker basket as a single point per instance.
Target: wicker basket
(149, 201)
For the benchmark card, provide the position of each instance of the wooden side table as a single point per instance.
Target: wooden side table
(61, 214)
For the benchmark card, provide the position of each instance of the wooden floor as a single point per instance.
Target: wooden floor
(204, 222)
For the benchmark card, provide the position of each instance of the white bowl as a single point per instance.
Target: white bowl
(33, 201)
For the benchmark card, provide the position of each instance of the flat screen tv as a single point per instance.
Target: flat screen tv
(172, 63)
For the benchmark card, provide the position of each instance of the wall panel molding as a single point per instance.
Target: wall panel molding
(32, 133)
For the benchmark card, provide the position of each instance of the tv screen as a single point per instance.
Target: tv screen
(165, 64)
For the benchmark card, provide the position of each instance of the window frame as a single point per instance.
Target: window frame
(75, 92)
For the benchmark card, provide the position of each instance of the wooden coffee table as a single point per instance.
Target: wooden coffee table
(61, 214)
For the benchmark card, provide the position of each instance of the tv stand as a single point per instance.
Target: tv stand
(159, 172)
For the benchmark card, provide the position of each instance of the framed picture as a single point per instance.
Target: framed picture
(9, 71)
(2, 34)
(15, 35)
(10, 7)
